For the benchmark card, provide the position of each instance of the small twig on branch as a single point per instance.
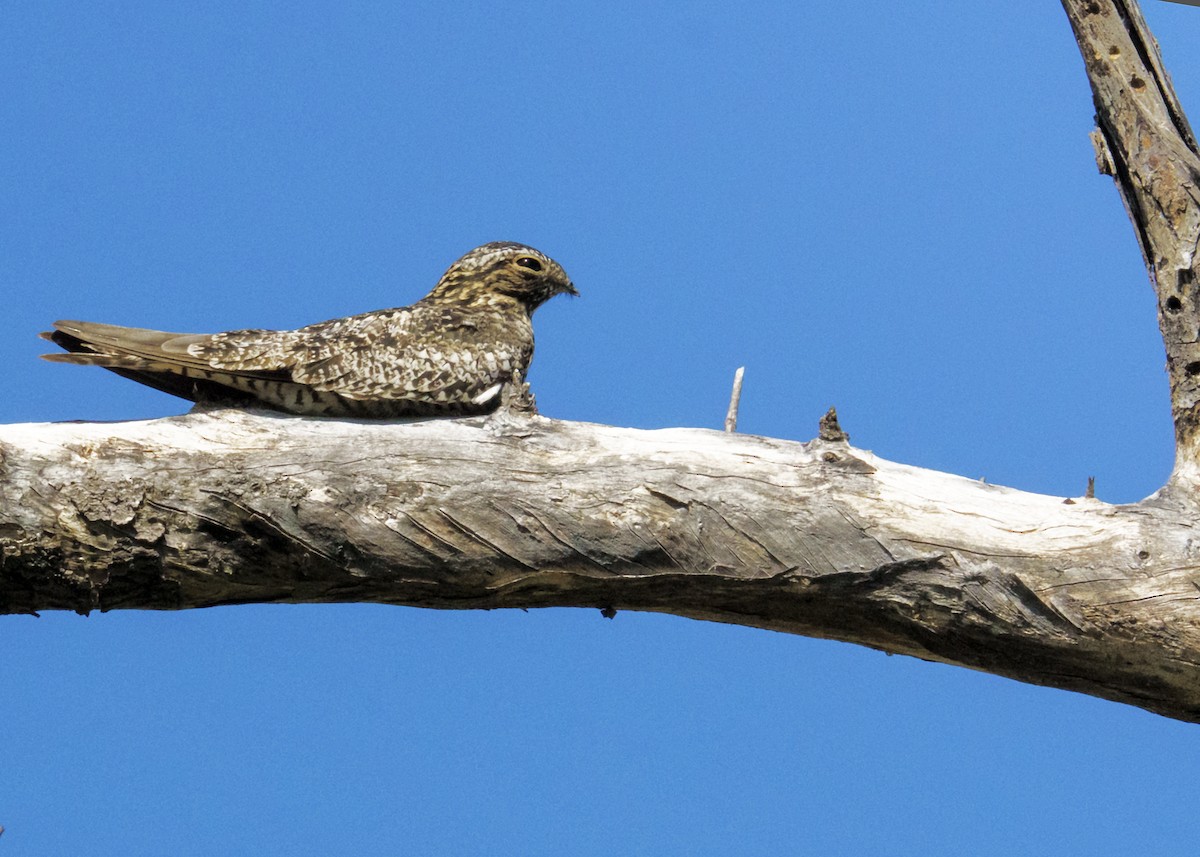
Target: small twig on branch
(735, 399)
(1104, 161)
(830, 430)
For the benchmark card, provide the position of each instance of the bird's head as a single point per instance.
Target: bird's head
(504, 268)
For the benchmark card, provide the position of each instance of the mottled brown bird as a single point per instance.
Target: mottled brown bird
(449, 353)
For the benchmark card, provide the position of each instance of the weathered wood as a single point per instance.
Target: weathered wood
(516, 511)
(819, 539)
(1145, 142)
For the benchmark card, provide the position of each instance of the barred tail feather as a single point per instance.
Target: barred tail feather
(155, 358)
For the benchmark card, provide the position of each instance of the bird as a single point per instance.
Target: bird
(449, 354)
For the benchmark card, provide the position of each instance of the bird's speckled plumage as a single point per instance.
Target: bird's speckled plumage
(449, 353)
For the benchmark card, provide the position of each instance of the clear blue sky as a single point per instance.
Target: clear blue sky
(888, 207)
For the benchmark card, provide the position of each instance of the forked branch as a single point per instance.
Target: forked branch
(518, 511)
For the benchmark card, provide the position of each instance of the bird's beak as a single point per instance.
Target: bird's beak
(569, 288)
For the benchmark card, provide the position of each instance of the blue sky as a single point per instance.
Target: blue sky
(891, 208)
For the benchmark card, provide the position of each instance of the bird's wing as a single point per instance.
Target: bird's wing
(430, 353)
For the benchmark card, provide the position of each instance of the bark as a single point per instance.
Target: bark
(1144, 141)
(819, 539)
(511, 510)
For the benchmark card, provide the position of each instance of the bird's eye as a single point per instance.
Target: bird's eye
(530, 263)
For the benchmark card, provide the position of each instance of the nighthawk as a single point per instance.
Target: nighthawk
(449, 353)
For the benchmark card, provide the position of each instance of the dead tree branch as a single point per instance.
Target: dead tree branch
(1144, 141)
(819, 539)
(517, 511)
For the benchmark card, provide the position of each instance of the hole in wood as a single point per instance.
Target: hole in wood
(1174, 304)
(1192, 369)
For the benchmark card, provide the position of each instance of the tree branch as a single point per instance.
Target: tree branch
(818, 539)
(1145, 142)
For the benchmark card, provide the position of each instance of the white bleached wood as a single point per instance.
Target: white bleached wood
(735, 400)
(818, 538)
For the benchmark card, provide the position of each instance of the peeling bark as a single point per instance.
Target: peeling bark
(820, 539)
